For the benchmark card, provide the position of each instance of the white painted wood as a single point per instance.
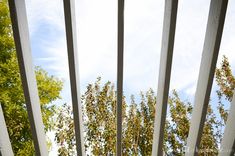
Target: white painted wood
(71, 36)
(228, 142)
(22, 43)
(207, 68)
(120, 75)
(168, 36)
(5, 144)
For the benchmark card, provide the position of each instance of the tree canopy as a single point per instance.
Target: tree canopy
(99, 111)
(99, 115)
(12, 97)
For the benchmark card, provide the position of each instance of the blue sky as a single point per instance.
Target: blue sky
(97, 34)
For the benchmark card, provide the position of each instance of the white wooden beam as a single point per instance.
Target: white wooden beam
(120, 47)
(168, 36)
(70, 25)
(227, 147)
(211, 47)
(22, 43)
(5, 144)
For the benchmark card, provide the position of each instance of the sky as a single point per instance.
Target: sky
(97, 42)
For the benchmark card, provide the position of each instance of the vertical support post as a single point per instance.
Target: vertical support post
(211, 47)
(120, 75)
(70, 26)
(228, 142)
(5, 144)
(168, 36)
(22, 43)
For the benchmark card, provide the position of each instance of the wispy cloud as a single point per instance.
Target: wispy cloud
(97, 30)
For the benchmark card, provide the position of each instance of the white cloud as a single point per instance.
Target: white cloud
(97, 29)
(190, 32)
(44, 12)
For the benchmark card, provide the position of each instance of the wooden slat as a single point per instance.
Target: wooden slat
(22, 43)
(5, 144)
(227, 147)
(120, 75)
(207, 68)
(70, 25)
(168, 36)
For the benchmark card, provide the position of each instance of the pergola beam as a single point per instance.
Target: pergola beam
(120, 47)
(227, 147)
(168, 36)
(22, 43)
(5, 144)
(211, 47)
(70, 26)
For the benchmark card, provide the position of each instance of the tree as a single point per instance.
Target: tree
(226, 83)
(12, 97)
(99, 107)
(99, 116)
